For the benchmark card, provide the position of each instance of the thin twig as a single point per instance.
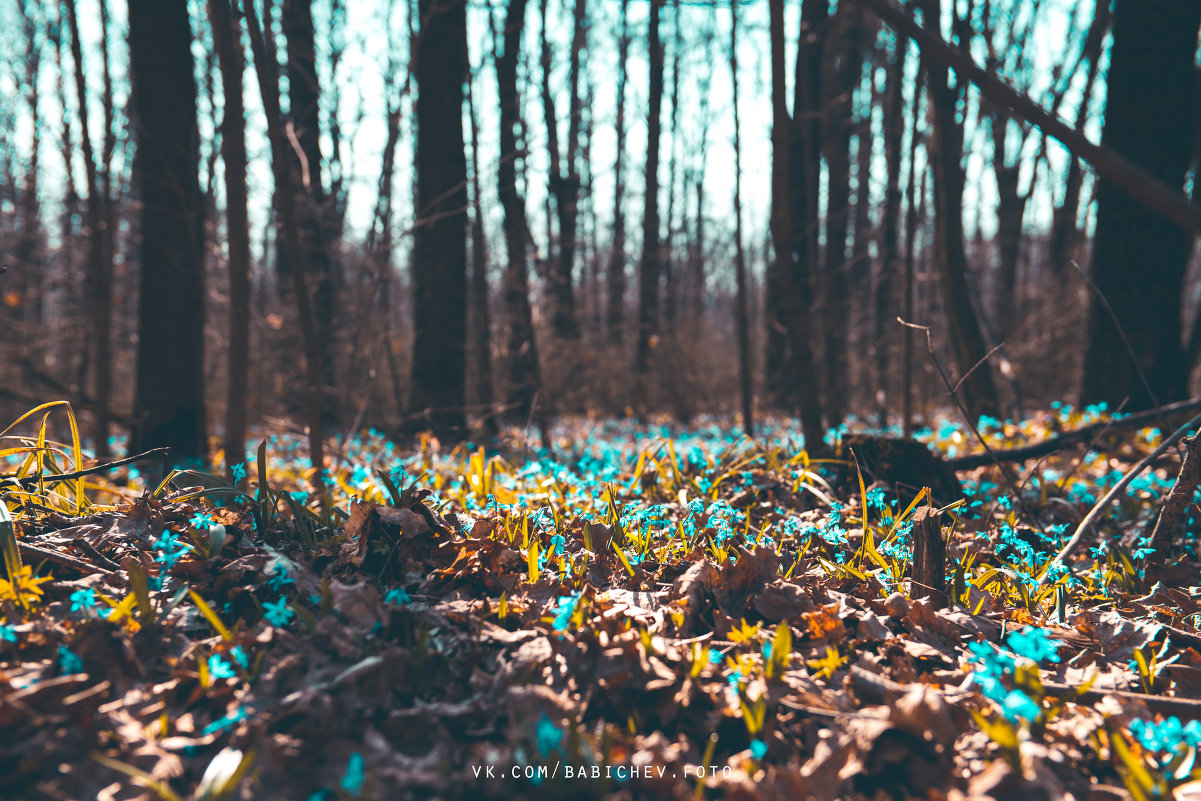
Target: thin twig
(972, 425)
(1118, 488)
(32, 481)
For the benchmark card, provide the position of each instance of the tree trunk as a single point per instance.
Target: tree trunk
(838, 113)
(977, 391)
(890, 261)
(169, 391)
(787, 298)
(266, 69)
(480, 319)
(616, 271)
(649, 267)
(523, 375)
(564, 184)
(1065, 235)
(440, 236)
(99, 283)
(1139, 258)
(304, 131)
(742, 323)
(227, 38)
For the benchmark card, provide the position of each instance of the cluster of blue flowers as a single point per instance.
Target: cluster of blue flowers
(1167, 736)
(993, 664)
(170, 551)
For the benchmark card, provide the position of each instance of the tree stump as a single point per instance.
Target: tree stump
(929, 558)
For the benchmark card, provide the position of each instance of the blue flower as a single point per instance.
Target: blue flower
(758, 749)
(83, 600)
(279, 577)
(278, 614)
(1017, 705)
(167, 541)
(715, 656)
(734, 678)
(875, 499)
(240, 657)
(352, 780)
(222, 723)
(1033, 643)
(398, 596)
(68, 661)
(238, 471)
(549, 735)
(990, 660)
(565, 610)
(219, 668)
(8, 633)
(201, 520)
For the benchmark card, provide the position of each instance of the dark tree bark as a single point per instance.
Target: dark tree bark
(845, 63)
(266, 67)
(616, 271)
(889, 235)
(742, 302)
(1139, 258)
(440, 235)
(669, 265)
(99, 283)
(227, 41)
(1065, 234)
(564, 184)
(480, 317)
(304, 133)
(169, 391)
(787, 295)
(649, 267)
(523, 375)
(977, 391)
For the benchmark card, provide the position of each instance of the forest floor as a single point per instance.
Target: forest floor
(644, 612)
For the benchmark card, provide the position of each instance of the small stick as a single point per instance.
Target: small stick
(32, 481)
(83, 566)
(1120, 487)
(1169, 520)
(929, 558)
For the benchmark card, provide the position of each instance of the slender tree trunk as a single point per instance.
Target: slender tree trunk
(616, 271)
(649, 268)
(481, 319)
(1065, 234)
(99, 276)
(303, 131)
(169, 392)
(523, 375)
(227, 38)
(890, 261)
(838, 113)
(668, 248)
(266, 69)
(745, 380)
(1150, 117)
(564, 184)
(787, 299)
(440, 238)
(977, 391)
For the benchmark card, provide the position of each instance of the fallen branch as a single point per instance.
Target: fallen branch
(1144, 187)
(1170, 517)
(1117, 490)
(1069, 438)
(32, 481)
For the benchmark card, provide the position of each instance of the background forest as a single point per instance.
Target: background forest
(432, 215)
